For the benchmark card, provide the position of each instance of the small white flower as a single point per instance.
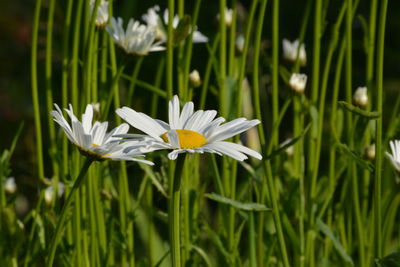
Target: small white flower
(298, 82)
(194, 79)
(49, 193)
(360, 97)
(9, 185)
(193, 132)
(94, 141)
(102, 12)
(291, 51)
(138, 39)
(228, 16)
(153, 19)
(240, 43)
(395, 156)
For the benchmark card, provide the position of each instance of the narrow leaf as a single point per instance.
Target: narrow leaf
(236, 204)
(153, 179)
(336, 244)
(363, 113)
(357, 158)
(392, 260)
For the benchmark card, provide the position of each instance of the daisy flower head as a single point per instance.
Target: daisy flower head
(193, 132)
(102, 12)
(395, 156)
(138, 39)
(94, 142)
(291, 51)
(153, 19)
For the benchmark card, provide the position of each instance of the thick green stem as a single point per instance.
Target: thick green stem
(174, 210)
(63, 215)
(379, 108)
(35, 98)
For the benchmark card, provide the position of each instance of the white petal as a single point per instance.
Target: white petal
(227, 150)
(204, 120)
(173, 139)
(142, 122)
(98, 132)
(208, 129)
(87, 118)
(119, 130)
(198, 37)
(174, 154)
(187, 112)
(241, 148)
(173, 113)
(231, 128)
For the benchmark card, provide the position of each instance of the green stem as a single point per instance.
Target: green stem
(379, 105)
(35, 98)
(170, 50)
(75, 57)
(275, 66)
(131, 90)
(63, 215)
(174, 207)
(222, 60)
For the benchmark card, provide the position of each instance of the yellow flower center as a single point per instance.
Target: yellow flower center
(94, 145)
(187, 139)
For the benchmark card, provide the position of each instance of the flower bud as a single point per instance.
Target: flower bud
(240, 43)
(292, 50)
(228, 16)
(49, 193)
(360, 97)
(10, 186)
(194, 79)
(369, 152)
(298, 82)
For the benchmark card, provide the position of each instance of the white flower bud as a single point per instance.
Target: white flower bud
(194, 79)
(289, 150)
(102, 12)
(240, 43)
(291, 51)
(369, 152)
(228, 16)
(298, 82)
(49, 193)
(360, 97)
(10, 186)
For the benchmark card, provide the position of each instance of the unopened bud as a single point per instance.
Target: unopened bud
(228, 16)
(10, 186)
(360, 97)
(369, 152)
(194, 79)
(298, 82)
(49, 193)
(240, 43)
(292, 51)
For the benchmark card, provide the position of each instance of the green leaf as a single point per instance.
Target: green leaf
(288, 144)
(236, 204)
(392, 260)
(336, 244)
(183, 29)
(357, 158)
(371, 115)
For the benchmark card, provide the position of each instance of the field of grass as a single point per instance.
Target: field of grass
(200, 133)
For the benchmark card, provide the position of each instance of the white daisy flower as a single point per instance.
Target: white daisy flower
(395, 156)
(360, 97)
(153, 19)
(193, 132)
(298, 82)
(102, 12)
(94, 141)
(291, 51)
(138, 39)
(10, 186)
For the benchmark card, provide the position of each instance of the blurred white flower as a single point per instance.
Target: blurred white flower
(93, 140)
(191, 132)
(138, 39)
(298, 82)
(360, 97)
(102, 12)
(9, 185)
(194, 79)
(289, 150)
(240, 43)
(153, 19)
(395, 156)
(291, 51)
(49, 193)
(228, 16)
